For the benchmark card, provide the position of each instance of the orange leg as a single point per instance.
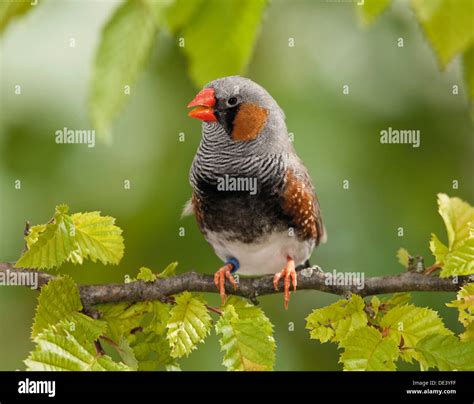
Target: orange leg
(289, 275)
(219, 279)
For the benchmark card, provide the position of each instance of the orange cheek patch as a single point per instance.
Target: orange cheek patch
(248, 122)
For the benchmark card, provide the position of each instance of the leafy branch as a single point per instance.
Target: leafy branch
(153, 320)
(311, 278)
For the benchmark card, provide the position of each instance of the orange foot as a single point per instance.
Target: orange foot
(219, 279)
(289, 274)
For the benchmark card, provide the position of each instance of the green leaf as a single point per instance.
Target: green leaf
(446, 352)
(468, 334)
(375, 305)
(397, 299)
(334, 322)
(33, 234)
(123, 318)
(365, 349)
(460, 261)
(188, 325)
(371, 9)
(465, 304)
(234, 25)
(170, 270)
(439, 250)
(146, 275)
(152, 351)
(447, 25)
(246, 310)
(11, 9)
(181, 12)
(60, 348)
(53, 245)
(143, 325)
(85, 328)
(127, 354)
(123, 51)
(403, 257)
(247, 340)
(458, 257)
(457, 216)
(58, 299)
(97, 238)
(407, 324)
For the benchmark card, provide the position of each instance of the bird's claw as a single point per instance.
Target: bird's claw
(219, 279)
(289, 275)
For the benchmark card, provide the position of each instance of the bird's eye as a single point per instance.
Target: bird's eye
(232, 101)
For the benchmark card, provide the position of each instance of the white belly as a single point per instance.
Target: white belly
(267, 256)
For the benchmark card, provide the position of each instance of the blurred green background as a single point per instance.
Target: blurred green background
(336, 135)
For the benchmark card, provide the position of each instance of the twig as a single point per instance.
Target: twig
(214, 309)
(250, 288)
(431, 269)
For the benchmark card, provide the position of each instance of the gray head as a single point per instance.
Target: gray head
(243, 112)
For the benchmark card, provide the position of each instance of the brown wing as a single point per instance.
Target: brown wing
(300, 203)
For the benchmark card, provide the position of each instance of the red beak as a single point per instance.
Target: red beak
(204, 101)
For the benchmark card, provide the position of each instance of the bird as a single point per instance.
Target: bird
(252, 196)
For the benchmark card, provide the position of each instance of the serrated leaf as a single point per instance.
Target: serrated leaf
(439, 250)
(181, 12)
(33, 234)
(460, 261)
(465, 304)
(366, 349)
(170, 270)
(403, 257)
(468, 334)
(145, 274)
(53, 245)
(124, 48)
(188, 325)
(369, 10)
(458, 257)
(59, 348)
(246, 341)
(446, 352)
(246, 310)
(234, 25)
(11, 9)
(143, 325)
(58, 299)
(457, 216)
(334, 322)
(408, 324)
(97, 238)
(447, 25)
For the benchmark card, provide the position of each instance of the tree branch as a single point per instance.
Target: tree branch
(251, 288)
